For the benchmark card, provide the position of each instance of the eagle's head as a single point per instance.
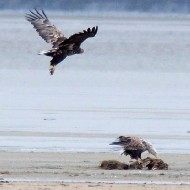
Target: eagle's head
(78, 51)
(81, 51)
(150, 148)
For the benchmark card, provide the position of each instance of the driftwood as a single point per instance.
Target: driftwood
(155, 164)
(147, 163)
(113, 165)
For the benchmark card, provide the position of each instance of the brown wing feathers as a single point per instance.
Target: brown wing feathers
(33, 16)
(82, 36)
(44, 27)
(130, 143)
(91, 32)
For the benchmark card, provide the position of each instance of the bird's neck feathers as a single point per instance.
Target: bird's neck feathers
(151, 149)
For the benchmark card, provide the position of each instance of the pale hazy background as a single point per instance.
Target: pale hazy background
(132, 79)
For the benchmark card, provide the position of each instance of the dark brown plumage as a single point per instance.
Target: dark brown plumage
(134, 146)
(61, 46)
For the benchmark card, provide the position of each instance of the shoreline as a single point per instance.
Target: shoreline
(12, 141)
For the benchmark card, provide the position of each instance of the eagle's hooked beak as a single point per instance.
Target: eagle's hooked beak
(81, 51)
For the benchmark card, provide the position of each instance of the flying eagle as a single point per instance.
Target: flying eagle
(134, 146)
(61, 46)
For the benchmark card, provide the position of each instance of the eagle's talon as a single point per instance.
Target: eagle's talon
(51, 70)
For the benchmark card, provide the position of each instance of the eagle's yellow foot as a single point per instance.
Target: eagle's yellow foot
(51, 69)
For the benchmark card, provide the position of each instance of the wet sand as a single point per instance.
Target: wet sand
(81, 170)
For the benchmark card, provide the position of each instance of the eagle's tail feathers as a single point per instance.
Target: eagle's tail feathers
(43, 52)
(48, 52)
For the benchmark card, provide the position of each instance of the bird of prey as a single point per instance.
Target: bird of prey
(134, 146)
(61, 46)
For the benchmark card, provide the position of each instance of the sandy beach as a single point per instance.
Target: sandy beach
(84, 186)
(81, 170)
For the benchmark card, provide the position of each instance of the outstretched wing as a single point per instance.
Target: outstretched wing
(44, 28)
(78, 38)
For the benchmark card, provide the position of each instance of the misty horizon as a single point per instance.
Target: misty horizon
(142, 6)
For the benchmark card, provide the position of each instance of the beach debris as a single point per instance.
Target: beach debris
(113, 165)
(147, 163)
(150, 164)
(4, 172)
(3, 181)
(96, 185)
(64, 184)
(156, 164)
(49, 119)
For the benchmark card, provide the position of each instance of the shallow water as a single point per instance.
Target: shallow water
(132, 80)
(42, 114)
(81, 144)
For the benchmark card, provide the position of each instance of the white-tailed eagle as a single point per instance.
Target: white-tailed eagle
(134, 146)
(61, 46)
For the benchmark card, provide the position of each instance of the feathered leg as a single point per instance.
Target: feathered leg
(139, 159)
(52, 69)
(125, 153)
(53, 63)
(56, 60)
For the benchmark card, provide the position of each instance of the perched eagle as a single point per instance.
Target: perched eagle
(134, 146)
(61, 46)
